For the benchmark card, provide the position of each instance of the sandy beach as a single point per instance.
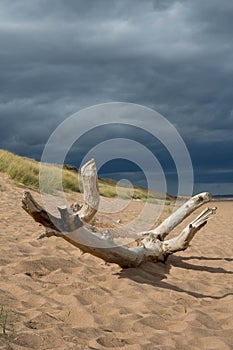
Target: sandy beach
(57, 298)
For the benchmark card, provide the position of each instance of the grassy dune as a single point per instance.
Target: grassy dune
(25, 171)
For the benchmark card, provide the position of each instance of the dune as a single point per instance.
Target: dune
(57, 298)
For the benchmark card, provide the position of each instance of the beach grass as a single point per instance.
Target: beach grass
(26, 172)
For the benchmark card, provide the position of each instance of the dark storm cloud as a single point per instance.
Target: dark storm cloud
(57, 57)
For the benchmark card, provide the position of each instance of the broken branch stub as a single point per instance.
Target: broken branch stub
(149, 246)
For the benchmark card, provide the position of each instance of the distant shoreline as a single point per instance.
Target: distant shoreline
(227, 197)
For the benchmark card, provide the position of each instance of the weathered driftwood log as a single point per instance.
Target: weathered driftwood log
(149, 246)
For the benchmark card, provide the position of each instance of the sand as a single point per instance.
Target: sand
(57, 298)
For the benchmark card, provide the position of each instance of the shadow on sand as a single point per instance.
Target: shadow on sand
(155, 274)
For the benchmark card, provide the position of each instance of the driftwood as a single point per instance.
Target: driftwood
(149, 246)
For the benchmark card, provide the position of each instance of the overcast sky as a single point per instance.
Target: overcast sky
(176, 57)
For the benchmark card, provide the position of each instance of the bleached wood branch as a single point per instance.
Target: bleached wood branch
(180, 214)
(181, 242)
(90, 191)
(150, 246)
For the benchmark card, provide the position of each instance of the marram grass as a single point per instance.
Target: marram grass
(25, 171)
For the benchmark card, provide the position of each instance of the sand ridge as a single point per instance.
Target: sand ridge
(57, 298)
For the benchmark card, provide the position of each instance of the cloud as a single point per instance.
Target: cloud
(58, 57)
